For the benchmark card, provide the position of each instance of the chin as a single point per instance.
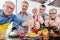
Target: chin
(8, 15)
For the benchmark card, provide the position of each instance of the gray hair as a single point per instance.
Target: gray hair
(53, 9)
(25, 2)
(9, 2)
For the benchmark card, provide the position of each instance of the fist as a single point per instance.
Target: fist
(51, 22)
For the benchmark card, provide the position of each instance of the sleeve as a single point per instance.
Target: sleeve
(19, 22)
(14, 26)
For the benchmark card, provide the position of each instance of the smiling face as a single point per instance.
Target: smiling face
(42, 10)
(8, 8)
(53, 13)
(34, 11)
(24, 7)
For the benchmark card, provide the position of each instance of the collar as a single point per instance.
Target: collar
(2, 13)
(25, 13)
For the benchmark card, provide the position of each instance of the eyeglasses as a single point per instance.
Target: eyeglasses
(42, 9)
(9, 7)
(52, 13)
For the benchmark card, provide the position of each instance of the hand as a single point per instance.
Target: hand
(51, 22)
(37, 25)
(16, 32)
(27, 22)
(2, 36)
(55, 24)
(30, 22)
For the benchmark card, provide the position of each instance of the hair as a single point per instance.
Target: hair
(53, 10)
(10, 2)
(43, 6)
(34, 8)
(25, 2)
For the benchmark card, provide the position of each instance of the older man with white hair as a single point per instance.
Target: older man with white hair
(6, 17)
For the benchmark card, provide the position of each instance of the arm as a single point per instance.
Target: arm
(19, 22)
(14, 28)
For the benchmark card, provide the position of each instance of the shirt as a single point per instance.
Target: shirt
(4, 19)
(57, 19)
(44, 15)
(20, 28)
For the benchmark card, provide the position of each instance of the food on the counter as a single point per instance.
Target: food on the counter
(34, 29)
(45, 32)
(21, 35)
(39, 32)
(32, 34)
(52, 32)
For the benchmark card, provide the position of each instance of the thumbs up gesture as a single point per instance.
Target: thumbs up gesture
(30, 22)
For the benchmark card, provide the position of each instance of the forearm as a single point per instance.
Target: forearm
(25, 24)
(14, 28)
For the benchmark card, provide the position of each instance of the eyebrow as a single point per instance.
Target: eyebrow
(9, 7)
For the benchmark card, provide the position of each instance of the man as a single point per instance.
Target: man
(24, 16)
(42, 15)
(6, 16)
(53, 21)
(42, 11)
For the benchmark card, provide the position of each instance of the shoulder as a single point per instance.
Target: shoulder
(57, 18)
(1, 11)
(13, 15)
(28, 14)
(46, 14)
(18, 13)
(47, 17)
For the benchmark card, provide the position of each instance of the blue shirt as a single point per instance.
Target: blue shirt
(19, 27)
(4, 19)
(24, 17)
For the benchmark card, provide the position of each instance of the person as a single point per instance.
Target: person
(34, 12)
(6, 17)
(52, 21)
(41, 16)
(42, 11)
(24, 16)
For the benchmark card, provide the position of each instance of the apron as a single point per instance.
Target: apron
(4, 27)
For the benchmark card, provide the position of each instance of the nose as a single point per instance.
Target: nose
(10, 10)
